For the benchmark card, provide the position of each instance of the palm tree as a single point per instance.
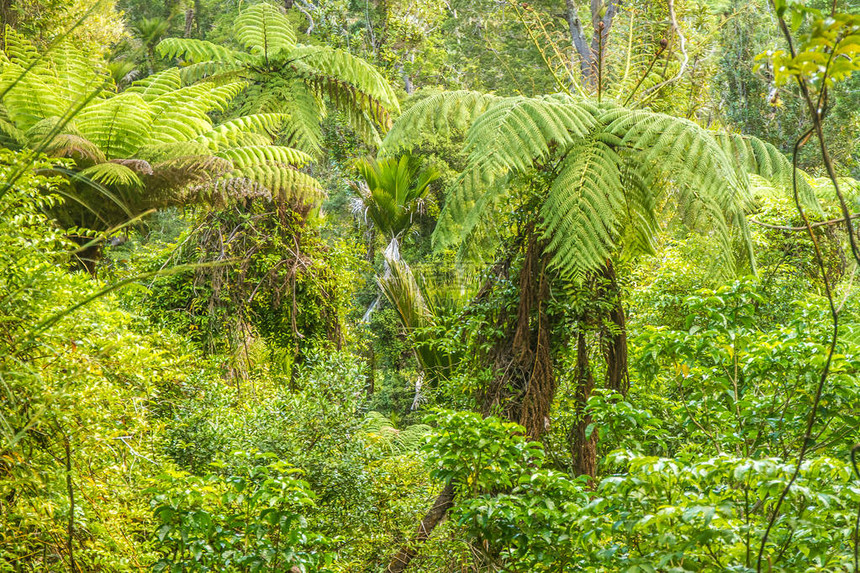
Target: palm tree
(152, 146)
(391, 195)
(587, 181)
(289, 77)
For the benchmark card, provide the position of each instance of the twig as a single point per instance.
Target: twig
(682, 46)
(811, 225)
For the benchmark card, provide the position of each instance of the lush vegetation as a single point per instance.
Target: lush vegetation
(403, 285)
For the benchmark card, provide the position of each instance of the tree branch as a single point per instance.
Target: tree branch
(437, 513)
(812, 225)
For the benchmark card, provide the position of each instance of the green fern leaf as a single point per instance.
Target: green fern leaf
(265, 31)
(232, 131)
(119, 125)
(259, 154)
(157, 85)
(444, 112)
(196, 51)
(113, 174)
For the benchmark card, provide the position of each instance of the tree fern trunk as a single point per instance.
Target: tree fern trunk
(614, 336)
(583, 447)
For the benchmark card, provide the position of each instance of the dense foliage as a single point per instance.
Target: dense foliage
(337, 286)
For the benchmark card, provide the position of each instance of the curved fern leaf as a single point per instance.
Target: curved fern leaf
(285, 183)
(197, 51)
(350, 82)
(119, 125)
(583, 209)
(265, 31)
(232, 131)
(113, 174)
(157, 85)
(753, 155)
(258, 154)
(443, 112)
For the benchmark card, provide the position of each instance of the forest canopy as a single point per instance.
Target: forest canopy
(404, 285)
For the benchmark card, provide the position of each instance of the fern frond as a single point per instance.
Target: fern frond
(258, 154)
(184, 171)
(381, 430)
(139, 166)
(285, 183)
(224, 191)
(583, 210)
(213, 72)
(119, 125)
(513, 133)
(113, 174)
(75, 74)
(169, 151)
(69, 143)
(301, 128)
(350, 82)
(10, 135)
(265, 31)
(231, 131)
(444, 112)
(765, 160)
(157, 85)
(29, 98)
(179, 124)
(18, 48)
(196, 51)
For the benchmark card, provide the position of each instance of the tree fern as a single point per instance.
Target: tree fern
(290, 78)
(152, 146)
(382, 431)
(602, 172)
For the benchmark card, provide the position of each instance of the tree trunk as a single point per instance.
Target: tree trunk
(615, 337)
(189, 22)
(433, 518)
(590, 54)
(583, 448)
(8, 17)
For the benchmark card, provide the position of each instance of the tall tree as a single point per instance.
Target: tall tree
(588, 181)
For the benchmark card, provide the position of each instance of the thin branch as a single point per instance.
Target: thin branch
(813, 414)
(831, 222)
(682, 46)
